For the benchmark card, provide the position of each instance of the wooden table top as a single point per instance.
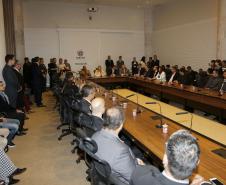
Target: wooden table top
(188, 88)
(142, 129)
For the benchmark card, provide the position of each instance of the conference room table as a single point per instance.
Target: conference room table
(143, 131)
(206, 100)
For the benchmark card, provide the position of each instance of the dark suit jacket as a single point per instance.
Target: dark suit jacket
(109, 65)
(5, 107)
(134, 67)
(27, 73)
(85, 106)
(214, 83)
(156, 63)
(148, 175)
(92, 122)
(116, 153)
(176, 76)
(223, 86)
(12, 84)
(20, 95)
(36, 75)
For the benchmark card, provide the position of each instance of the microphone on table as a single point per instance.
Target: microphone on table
(138, 108)
(160, 111)
(191, 121)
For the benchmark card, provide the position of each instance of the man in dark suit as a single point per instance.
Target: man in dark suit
(112, 149)
(156, 61)
(175, 75)
(109, 66)
(52, 70)
(181, 158)
(120, 62)
(10, 111)
(88, 93)
(20, 96)
(214, 81)
(70, 89)
(27, 74)
(12, 84)
(168, 72)
(223, 85)
(37, 81)
(94, 122)
(98, 109)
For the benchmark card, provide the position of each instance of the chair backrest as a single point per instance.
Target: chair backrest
(100, 169)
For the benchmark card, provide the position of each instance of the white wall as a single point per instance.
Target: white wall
(96, 44)
(185, 32)
(61, 29)
(2, 40)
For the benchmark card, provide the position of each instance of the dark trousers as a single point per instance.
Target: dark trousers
(38, 94)
(19, 116)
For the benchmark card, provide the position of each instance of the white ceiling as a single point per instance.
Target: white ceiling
(134, 3)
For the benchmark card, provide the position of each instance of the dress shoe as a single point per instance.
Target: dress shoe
(18, 171)
(24, 129)
(13, 181)
(41, 105)
(21, 133)
(11, 144)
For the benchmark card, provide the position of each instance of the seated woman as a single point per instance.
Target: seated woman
(99, 72)
(161, 75)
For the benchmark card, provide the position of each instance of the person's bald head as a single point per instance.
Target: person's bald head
(98, 106)
(114, 119)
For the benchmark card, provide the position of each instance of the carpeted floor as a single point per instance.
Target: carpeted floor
(49, 161)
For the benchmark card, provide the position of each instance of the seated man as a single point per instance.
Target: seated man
(112, 149)
(223, 85)
(214, 81)
(13, 126)
(175, 75)
(10, 111)
(94, 122)
(180, 160)
(98, 109)
(123, 71)
(8, 169)
(88, 93)
(4, 132)
(69, 89)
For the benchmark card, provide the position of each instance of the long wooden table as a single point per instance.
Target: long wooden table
(143, 131)
(198, 98)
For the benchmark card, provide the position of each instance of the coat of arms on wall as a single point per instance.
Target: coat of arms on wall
(80, 54)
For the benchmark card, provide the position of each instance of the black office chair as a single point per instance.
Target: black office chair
(68, 116)
(100, 171)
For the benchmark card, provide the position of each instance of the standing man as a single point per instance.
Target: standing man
(12, 84)
(67, 65)
(43, 69)
(27, 72)
(52, 70)
(20, 95)
(109, 66)
(156, 61)
(37, 81)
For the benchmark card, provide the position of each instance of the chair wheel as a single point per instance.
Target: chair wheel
(59, 138)
(78, 161)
